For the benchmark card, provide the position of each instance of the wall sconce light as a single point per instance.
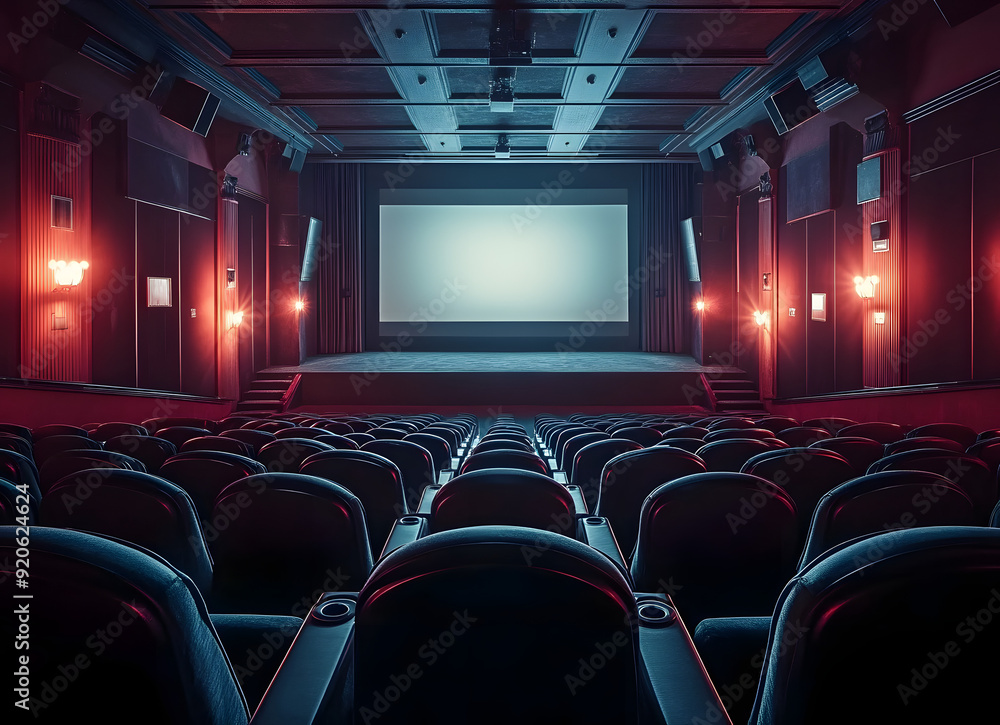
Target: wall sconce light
(300, 305)
(699, 305)
(235, 318)
(760, 318)
(865, 286)
(68, 274)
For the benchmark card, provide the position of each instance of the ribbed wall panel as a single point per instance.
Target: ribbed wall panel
(768, 300)
(882, 366)
(52, 167)
(228, 302)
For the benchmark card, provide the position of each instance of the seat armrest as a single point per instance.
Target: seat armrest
(406, 530)
(312, 684)
(595, 531)
(578, 499)
(677, 685)
(255, 645)
(426, 499)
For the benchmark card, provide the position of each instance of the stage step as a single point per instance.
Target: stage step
(748, 394)
(740, 406)
(266, 393)
(731, 384)
(273, 406)
(734, 393)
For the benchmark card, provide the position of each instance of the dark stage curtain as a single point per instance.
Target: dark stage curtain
(334, 193)
(666, 308)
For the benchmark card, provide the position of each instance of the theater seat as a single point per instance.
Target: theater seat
(288, 538)
(800, 436)
(897, 499)
(136, 507)
(730, 455)
(112, 430)
(961, 434)
(117, 636)
(20, 469)
(806, 474)
(437, 446)
(52, 444)
(888, 629)
(16, 506)
(860, 452)
(11, 442)
(414, 462)
(589, 462)
(724, 434)
(150, 450)
(503, 444)
(180, 434)
(522, 460)
(968, 472)
(722, 544)
(834, 425)
(629, 478)
(375, 480)
(988, 451)
(641, 435)
(876, 430)
(62, 464)
(20, 431)
(57, 429)
(256, 439)
(285, 455)
(222, 444)
(916, 443)
(205, 474)
(503, 497)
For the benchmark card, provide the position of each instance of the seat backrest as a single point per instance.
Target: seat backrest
(57, 429)
(859, 452)
(834, 425)
(135, 507)
(60, 465)
(112, 430)
(503, 497)
(336, 427)
(223, 444)
(384, 433)
(52, 444)
(256, 439)
(776, 423)
(968, 472)
(16, 508)
(731, 455)
(589, 462)
(11, 442)
(988, 451)
(20, 469)
(527, 606)
(300, 431)
(724, 434)
(375, 480)
(685, 444)
(152, 451)
(288, 538)
(687, 431)
(876, 430)
(629, 478)
(800, 436)
(205, 474)
(285, 455)
(889, 500)
(503, 444)
(338, 441)
(640, 434)
(887, 629)
(961, 434)
(449, 434)
(722, 544)
(916, 443)
(155, 425)
(567, 456)
(414, 462)
(730, 422)
(180, 434)
(140, 628)
(505, 459)
(21, 431)
(805, 473)
(437, 446)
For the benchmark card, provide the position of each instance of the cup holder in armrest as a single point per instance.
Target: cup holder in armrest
(655, 614)
(334, 611)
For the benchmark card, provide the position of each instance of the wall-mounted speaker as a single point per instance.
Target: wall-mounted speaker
(870, 180)
(185, 103)
(790, 107)
(707, 162)
(880, 231)
(297, 156)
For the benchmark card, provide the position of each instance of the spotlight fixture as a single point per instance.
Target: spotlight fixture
(68, 274)
(865, 286)
(502, 151)
(502, 92)
(244, 145)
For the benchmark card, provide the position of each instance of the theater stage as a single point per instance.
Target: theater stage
(541, 380)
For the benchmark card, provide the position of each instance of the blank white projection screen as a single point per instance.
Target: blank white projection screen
(503, 263)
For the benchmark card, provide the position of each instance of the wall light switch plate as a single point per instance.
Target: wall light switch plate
(791, 312)
(194, 312)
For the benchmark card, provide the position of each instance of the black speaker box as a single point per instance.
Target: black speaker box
(185, 103)
(790, 107)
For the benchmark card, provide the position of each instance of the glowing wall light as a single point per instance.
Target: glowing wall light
(865, 286)
(234, 319)
(760, 318)
(300, 305)
(699, 305)
(68, 274)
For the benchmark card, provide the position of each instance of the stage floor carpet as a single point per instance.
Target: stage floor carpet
(620, 380)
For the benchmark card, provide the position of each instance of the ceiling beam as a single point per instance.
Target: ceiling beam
(448, 6)
(493, 131)
(320, 101)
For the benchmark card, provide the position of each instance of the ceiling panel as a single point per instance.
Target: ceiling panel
(530, 82)
(468, 34)
(540, 117)
(698, 34)
(361, 117)
(341, 33)
(673, 82)
(335, 82)
(665, 117)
